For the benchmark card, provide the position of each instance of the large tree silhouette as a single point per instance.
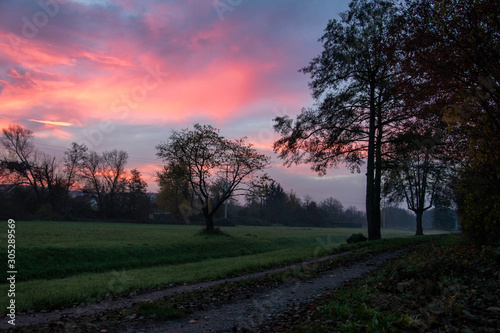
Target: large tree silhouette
(353, 82)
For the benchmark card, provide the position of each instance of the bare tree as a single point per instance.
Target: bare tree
(73, 161)
(113, 173)
(20, 161)
(105, 177)
(50, 176)
(417, 173)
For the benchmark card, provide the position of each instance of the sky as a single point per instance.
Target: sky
(125, 74)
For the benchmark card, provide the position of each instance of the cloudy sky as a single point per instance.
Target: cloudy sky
(124, 74)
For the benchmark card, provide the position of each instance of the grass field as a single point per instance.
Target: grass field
(63, 263)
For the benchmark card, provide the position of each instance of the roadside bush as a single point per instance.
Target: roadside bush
(478, 201)
(356, 238)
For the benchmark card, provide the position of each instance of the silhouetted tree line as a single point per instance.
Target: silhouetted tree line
(265, 204)
(84, 185)
(276, 206)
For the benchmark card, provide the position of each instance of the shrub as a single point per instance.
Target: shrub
(478, 201)
(356, 238)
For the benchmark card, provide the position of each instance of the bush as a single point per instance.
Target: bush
(478, 201)
(356, 238)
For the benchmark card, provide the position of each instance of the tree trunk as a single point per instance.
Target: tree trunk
(371, 211)
(370, 190)
(420, 230)
(378, 177)
(209, 220)
(377, 188)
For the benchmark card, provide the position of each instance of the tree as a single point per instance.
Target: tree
(210, 159)
(395, 217)
(353, 82)
(175, 195)
(137, 200)
(315, 215)
(20, 164)
(114, 176)
(105, 178)
(451, 50)
(50, 177)
(417, 172)
(91, 165)
(333, 209)
(353, 216)
(258, 195)
(275, 203)
(73, 159)
(23, 165)
(444, 218)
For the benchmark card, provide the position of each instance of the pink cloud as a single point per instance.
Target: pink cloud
(88, 60)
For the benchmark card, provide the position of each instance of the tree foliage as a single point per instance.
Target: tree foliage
(451, 65)
(175, 195)
(136, 199)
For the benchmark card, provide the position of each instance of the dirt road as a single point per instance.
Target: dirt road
(243, 313)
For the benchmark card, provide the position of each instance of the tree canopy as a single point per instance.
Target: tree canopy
(214, 167)
(452, 69)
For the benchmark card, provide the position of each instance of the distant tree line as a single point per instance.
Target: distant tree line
(275, 205)
(267, 204)
(203, 172)
(84, 184)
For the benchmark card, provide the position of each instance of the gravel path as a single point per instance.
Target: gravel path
(91, 309)
(249, 315)
(245, 314)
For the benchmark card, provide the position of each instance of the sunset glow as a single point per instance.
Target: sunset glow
(123, 74)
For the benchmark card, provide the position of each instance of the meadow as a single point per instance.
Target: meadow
(64, 263)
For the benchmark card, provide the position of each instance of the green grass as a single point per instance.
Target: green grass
(62, 263)
(448, 284)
